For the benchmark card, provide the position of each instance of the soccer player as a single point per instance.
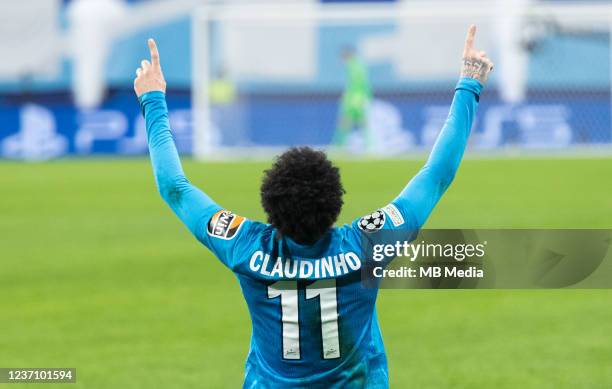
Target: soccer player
(355, 101)
(313, 323)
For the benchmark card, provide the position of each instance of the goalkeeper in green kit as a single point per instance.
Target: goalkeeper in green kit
(355, 101)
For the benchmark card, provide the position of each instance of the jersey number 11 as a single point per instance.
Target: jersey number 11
(288, 293)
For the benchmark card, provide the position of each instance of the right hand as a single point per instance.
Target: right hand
(149, 76)
(476, 64)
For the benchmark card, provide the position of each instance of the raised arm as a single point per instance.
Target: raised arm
(425, 190)
(191, 205)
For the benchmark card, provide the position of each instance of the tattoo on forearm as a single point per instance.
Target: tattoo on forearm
(475, 68)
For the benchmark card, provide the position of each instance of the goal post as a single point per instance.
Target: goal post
(267, 76)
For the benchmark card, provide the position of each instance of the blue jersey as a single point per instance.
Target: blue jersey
(314, 322)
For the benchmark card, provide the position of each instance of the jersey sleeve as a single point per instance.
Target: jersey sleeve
(229, 237)
(423, 192)
(222, 231)
(389, 217)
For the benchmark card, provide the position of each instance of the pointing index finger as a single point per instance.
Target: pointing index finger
(154, 53)
(469, 39)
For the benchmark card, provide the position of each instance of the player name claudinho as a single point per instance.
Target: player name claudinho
(429, 272)
(330, 266)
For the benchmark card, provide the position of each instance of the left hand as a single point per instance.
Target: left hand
(149, 76)
(476, 64)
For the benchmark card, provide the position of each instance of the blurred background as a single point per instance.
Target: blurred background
(250, 78)
(97, 274)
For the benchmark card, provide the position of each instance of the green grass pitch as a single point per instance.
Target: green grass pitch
(96, 273)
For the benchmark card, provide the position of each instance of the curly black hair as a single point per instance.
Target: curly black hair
(302, 194)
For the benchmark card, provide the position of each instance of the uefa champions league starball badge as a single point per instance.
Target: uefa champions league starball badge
(372, 222)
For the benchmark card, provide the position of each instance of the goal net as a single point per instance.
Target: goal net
(377, 79)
